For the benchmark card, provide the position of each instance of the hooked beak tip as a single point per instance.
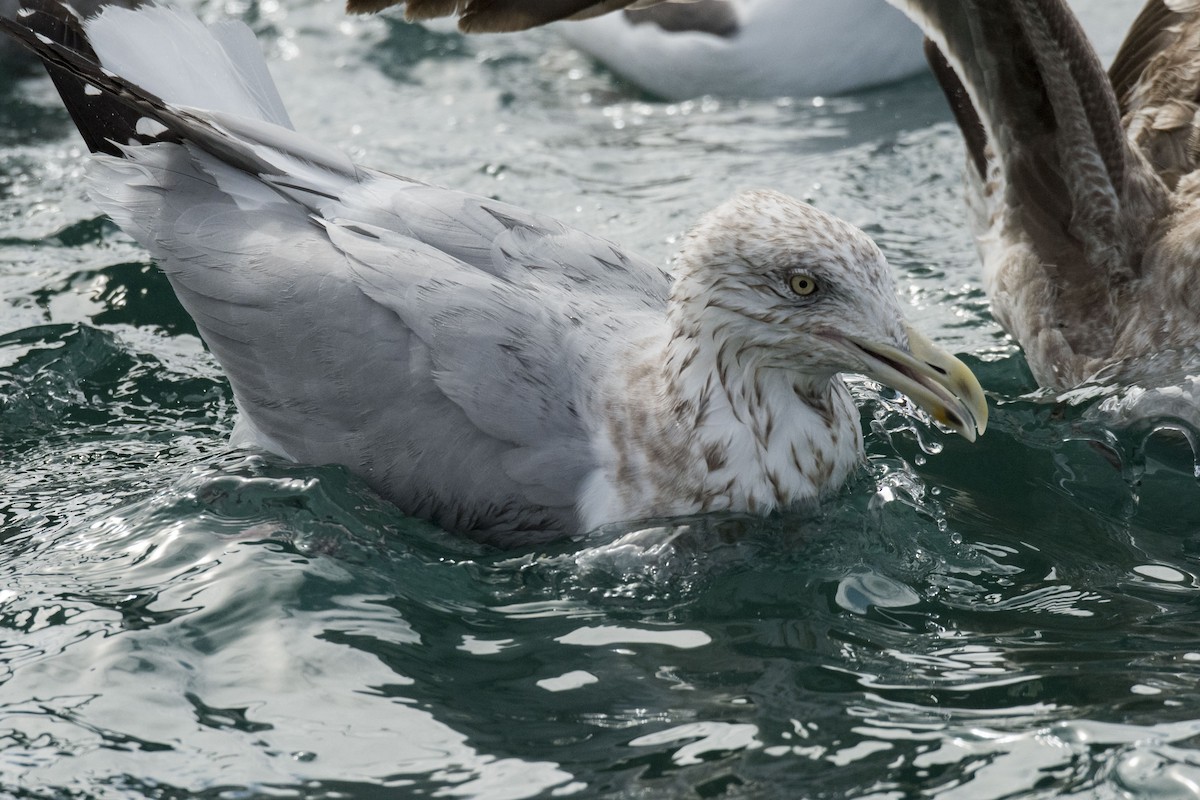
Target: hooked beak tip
(934, 379)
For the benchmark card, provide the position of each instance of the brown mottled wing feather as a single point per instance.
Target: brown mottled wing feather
(1056, 142)
(1039, 92)
(1158, 35)
(497, 16)
(1156, 76)
(1071, 203)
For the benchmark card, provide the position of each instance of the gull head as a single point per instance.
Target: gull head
(777, 284)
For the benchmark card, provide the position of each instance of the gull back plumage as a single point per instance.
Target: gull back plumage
(753, 48)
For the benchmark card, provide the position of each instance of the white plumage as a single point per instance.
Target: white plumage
(777, 48)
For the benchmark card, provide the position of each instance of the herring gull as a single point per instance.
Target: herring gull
(736, 48)
(480, 365)
(504, 16)
(1083, 187)
(753, 48)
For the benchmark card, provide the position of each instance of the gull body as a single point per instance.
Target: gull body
(761, 48)
(736, 48)
(480, 365)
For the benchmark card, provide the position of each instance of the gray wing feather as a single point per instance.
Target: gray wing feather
(520, 347)
(211, 60)
(520, 246)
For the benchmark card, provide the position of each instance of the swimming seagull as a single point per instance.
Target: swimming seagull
(753, 48)
(736, 48)
(1083, 186)
(482, 366)
(504, 16)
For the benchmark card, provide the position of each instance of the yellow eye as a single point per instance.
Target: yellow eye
(803, 285)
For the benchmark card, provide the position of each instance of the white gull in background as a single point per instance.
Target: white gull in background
(1083, 187)
(480, 365)
(679, 49)
(734, 48)
(753, 48)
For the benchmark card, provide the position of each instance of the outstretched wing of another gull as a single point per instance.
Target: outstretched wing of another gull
(1081, 187)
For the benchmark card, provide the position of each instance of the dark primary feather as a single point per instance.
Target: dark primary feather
(100, 118)
(108, 110)
(1026, 103)
(964, 112)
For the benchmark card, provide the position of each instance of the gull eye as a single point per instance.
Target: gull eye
(803, 285)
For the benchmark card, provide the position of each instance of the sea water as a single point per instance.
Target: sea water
(1019, 617)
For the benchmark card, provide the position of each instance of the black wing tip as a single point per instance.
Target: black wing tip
(106, 110)
(965, 114)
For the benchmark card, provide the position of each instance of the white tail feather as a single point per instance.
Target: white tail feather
(176, 57)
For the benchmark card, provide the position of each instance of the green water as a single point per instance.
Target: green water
(1015, 618)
